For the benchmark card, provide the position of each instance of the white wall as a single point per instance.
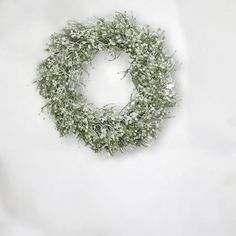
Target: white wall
(184, 184)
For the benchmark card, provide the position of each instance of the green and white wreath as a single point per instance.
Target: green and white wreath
(108, 129)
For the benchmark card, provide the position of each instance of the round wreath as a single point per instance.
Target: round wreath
(107, 128)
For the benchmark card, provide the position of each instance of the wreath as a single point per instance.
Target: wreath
(107, 128)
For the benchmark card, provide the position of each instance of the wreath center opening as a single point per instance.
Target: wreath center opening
(106, 83)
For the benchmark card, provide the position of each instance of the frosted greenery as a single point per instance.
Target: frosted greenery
(108, 129)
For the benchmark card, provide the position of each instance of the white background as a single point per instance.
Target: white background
(184, 184)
